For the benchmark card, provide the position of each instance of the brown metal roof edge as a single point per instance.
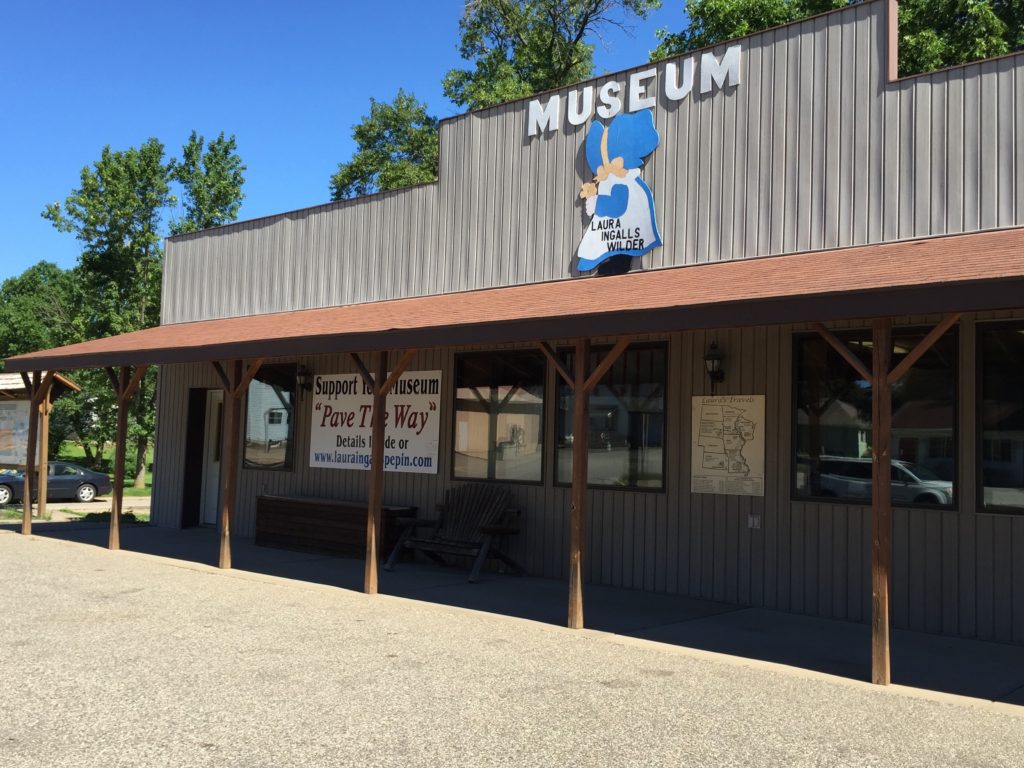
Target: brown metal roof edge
(961, 296)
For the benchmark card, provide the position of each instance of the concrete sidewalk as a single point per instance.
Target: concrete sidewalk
(119, 659)
(983, 670)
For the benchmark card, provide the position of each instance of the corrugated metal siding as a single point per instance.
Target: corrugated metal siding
(813, 150)
(953, 570)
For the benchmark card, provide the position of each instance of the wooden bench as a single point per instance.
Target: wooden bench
(468, 524)
(322, 525)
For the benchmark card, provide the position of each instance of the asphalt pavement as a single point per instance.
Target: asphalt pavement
(119, 658)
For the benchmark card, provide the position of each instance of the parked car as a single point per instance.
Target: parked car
(845, 477)
(64, 482)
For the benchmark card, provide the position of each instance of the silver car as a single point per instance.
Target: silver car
(850, 478)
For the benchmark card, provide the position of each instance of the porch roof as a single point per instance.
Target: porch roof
(975, 271)
(12, 386)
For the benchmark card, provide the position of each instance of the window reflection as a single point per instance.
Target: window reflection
(832, 434)
(499, 416)
(1001, 385)
(626, 434)
(270, 403)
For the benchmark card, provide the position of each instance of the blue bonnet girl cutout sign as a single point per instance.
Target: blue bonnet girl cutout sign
(618, 200)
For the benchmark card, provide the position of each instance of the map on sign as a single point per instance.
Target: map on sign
(14, 418)
(728, 445)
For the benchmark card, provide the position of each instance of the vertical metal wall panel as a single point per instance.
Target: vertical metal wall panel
(812, 150)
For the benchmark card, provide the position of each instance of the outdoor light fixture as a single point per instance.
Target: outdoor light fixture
(713, 362)
(304, 378)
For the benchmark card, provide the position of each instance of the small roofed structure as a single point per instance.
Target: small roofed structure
(13, 386)
(18, 390)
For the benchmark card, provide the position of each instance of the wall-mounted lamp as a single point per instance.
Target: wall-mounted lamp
(304, 378)
(713, 363)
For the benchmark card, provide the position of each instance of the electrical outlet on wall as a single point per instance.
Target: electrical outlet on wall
(754, 520)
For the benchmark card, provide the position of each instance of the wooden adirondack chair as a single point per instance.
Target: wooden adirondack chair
(469, 521)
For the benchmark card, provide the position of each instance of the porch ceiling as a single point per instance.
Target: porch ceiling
(967, 272)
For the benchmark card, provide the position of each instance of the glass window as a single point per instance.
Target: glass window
(499, 416)
(832, 433)
(268, 423)
(1001, 415)
(626, 435)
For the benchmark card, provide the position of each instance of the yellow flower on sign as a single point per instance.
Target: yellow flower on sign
(588, 190)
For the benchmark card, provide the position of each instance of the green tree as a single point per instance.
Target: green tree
(943, 33)
(116, 215)
(38, 310)
(397, 146)
(933, 33)
(520, 47)
(211, 182)
(713, 21)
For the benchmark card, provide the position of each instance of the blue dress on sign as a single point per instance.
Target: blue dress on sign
(618, 200)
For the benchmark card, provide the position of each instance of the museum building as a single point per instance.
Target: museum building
(682, 313)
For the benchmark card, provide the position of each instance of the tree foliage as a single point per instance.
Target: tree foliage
(933, 33)
(520, 47)
(117, 213)
(211, 182)
(38, 310)
(397, 146)
(943, 33)
(712, 21)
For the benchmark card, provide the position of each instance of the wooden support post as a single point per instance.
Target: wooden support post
(38, 387)
(881, 499)
(582, 383)
(30, 457)
(124, 383)
(373, 512)
(120, 438)
(380, 383)
(44, 452)
(236, 382)
(232, 418)
(882, 377)
(577, 508)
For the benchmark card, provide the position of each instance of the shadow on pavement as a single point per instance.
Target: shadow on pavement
(967, 667)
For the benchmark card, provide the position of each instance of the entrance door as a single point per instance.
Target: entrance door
(209, 505)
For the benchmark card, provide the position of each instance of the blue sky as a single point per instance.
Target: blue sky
(288, 79)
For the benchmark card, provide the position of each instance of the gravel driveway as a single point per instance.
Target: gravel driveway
(112, 659)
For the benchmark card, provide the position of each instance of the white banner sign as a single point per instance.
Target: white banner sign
(14, 432)
(728, 445)
(341, 423)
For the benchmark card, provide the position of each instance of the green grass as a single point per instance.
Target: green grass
(15, 513)
(74, 453)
